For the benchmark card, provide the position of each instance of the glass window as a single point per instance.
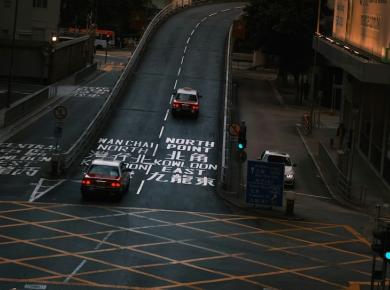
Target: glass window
(279, 159)
(186, 98)
(103, 170)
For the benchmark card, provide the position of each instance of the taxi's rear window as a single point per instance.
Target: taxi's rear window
(186, 98)
(103, 170)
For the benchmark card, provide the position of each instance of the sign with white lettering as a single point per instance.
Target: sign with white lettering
(265, 183)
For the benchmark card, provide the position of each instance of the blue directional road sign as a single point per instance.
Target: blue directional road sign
(264, 185)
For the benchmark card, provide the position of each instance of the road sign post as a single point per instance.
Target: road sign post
(265, 183)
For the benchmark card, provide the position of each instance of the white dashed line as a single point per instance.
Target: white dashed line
(155, 150)
(170, 101)
(166, 115)
(188, 40)
(225, 10)
(161, 132)
(213, 14)
(140, 187)
(179, 71)
(193, 31)
(182, 60)
(197, 25)
(174, 87)
(185, 49)
(204, 19)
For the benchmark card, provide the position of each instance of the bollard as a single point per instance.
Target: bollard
(290, 202)
(290, 207)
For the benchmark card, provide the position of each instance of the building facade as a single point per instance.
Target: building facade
(359, 51)
(36, 20)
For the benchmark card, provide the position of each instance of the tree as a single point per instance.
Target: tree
(284, 28)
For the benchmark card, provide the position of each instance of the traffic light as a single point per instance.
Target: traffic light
(241, 144)
(381, 243)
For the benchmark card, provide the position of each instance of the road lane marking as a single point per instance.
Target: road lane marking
(213, 14)
(166, 117)
(147, 171)
(188, 40)
(77, 269)
(182, 60)
(170, 101)
(179, 71)
(192, 32)
(174, 87)
(161, 132)
(155, 150)
(197, 25)
(312, 195)
(185, 49)
(140, 187)
(41, 189)
(204, 19)
(225, 10)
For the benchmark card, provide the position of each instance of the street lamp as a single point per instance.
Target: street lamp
(11, 62)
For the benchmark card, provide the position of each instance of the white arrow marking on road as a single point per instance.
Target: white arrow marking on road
(41, 189)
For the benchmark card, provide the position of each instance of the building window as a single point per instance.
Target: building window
(7, 3)
(40, 3)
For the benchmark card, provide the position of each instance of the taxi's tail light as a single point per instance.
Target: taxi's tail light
(195, 107)
(115, 184)
(176, 105)
(86, 181)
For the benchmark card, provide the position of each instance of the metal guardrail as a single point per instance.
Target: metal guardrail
(68, 157)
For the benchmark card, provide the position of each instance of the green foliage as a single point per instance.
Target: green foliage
(284, 28)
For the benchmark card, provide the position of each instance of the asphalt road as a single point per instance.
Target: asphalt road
(171, 230)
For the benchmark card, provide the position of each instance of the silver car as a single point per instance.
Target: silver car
(280, 157)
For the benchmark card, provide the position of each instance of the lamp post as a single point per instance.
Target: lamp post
(314, 70)
(11, 62)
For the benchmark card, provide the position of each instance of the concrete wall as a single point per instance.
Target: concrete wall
(40, 62)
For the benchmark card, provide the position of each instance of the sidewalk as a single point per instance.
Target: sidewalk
(367, 189)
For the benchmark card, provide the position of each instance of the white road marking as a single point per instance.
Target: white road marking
(225, 10)
(312, 195)
(161, 132)
(75, 271)
(166, 116)
(185, 49)
(182, 60)
(41, 189)
(204, 19)
(179, 71)
(197, 25)
(147, 171)
(174, 87)
(193, 31)
(188, 40)
(155, 150)
(213, 14)
(34, 286)
(140, 187)
(170, 101)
